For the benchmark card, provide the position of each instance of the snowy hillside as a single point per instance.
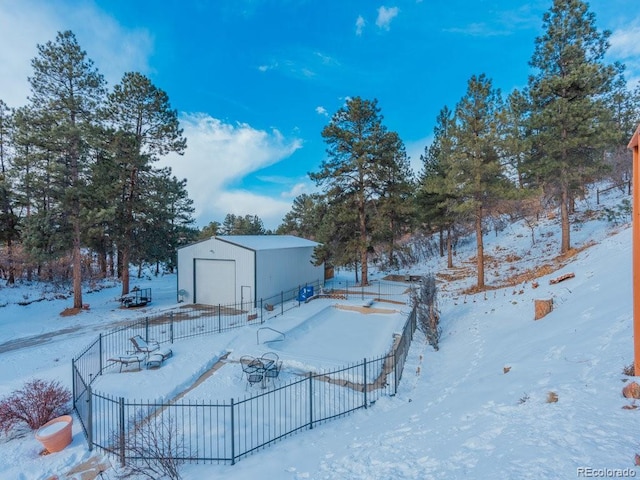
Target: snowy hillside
(504, 397)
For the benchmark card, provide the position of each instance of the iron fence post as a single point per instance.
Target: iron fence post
(281, 302)
(310, 401)
(219, 318)
(365, 383)
(233, 436)
(395, 371)
(73, 383)
(90, 417)
(100, 354)
(122, 449)
(146, 329)
(261, 312)
(171, 328)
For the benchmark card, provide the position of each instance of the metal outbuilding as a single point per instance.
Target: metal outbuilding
(235, 269)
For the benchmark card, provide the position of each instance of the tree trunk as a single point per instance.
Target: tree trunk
(449, 249)
(125, 270)
(441, 243)
(112, 265)
(102, 262)
(564, 219)
(363, 242)
(479, 247)
(11, 280)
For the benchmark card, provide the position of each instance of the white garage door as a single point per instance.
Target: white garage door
(215, 282)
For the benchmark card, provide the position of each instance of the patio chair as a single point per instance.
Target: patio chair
(273, 372)
(253, 378)
(142, 346)
(157, 357)
(126, 360)
(250, 364)
(269, 359)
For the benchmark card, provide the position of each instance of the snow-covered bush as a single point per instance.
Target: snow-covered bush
(37, 402)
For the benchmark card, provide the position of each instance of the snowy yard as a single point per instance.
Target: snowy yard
(318, 336)
(457, 413)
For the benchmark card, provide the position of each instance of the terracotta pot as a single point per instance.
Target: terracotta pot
(56, 433)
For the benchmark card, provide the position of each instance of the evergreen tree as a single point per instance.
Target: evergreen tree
(146, 128)
(394, 208)
(569, 119)
(624, 105)
(434, 200)
(359, 149)
(338, 235)
(211, 230)
(516, 143)
(475, 174)
(66, 92)
(305, 216)
(247, 225)
(9, 221)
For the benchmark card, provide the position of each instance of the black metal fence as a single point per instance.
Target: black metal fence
(226, 431)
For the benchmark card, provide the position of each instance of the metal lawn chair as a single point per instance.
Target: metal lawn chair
(273, 372)
(269, 359)
(143, 346)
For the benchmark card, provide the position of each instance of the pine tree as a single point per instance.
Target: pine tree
(475, 176)
(9, 221)
(359, 149)
(66, 93)
(394, 207)
(569, 120)
(146, 128)
(434, 200)
(305, 216)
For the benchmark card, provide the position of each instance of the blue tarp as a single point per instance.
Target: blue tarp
(305, 293)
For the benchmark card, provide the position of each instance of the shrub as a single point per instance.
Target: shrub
(425, 301)
(37, 402)
(153, 446)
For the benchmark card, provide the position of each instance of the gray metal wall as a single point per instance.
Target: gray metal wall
(284, 269)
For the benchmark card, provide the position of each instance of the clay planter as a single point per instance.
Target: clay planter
(56, 433)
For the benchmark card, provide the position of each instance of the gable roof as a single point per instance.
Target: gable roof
(267, 242)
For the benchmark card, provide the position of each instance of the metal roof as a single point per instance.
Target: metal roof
(267, 242)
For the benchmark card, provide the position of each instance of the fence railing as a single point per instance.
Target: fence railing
(626, 183)
(197, 430)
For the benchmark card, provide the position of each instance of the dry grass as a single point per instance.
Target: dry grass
(552, 397)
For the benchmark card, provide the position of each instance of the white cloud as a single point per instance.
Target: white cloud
(113, 48)
(298, 189)
(266, 68)
(360, 23)
(385, 15)
(626, 42)
(625, 47)
(320, 110)
(219, 154)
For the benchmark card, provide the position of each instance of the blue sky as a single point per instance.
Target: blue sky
(255, 81)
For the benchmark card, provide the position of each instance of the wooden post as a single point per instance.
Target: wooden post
(635, 221)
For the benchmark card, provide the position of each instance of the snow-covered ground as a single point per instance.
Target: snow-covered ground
(457, 413)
